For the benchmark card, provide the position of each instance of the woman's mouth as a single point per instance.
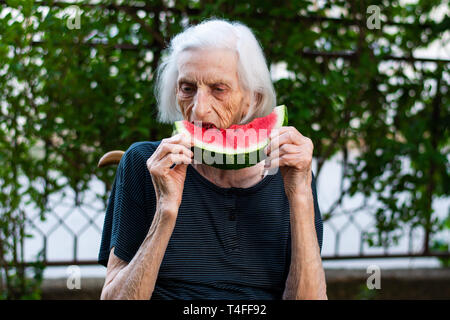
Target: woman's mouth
(203, 124)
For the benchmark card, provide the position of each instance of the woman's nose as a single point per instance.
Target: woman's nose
(202, 105)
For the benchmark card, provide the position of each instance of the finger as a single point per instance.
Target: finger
(287, 160)
(173, 148)
(271, 163)
(180, 138)
(281, 130)
(286, 148)
(287, 136)
(174, 158)
(300, 160)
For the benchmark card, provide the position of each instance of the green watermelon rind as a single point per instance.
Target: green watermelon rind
(202, 151)
(234, 165)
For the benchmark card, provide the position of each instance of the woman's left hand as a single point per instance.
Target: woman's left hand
(292, 152)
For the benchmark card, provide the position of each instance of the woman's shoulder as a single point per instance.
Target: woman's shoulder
(143, 148)
(137, 154)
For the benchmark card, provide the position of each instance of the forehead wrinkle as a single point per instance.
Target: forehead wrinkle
(216, 71)
(208, 79)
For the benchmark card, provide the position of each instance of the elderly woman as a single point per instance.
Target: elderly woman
(192, 231)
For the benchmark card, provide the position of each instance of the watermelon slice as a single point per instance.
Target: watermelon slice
(236, 147)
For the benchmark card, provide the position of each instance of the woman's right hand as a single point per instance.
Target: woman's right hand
(169, 183)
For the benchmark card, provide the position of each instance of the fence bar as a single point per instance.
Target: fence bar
(305, 53)
(382, 256)
(336, 257)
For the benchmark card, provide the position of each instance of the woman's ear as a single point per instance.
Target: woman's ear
(258, 99)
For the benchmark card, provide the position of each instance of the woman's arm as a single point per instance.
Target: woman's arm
(292, 152)
(306, 278)
(136, 280)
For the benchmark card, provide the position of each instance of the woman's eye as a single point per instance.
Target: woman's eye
(187, 89)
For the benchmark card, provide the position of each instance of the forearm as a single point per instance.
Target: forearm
(306, 278)
(137, 279)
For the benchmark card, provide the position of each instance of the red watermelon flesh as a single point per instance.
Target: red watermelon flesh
(237, 138)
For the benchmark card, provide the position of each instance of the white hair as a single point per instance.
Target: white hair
(253, 72)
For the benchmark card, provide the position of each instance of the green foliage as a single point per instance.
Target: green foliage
(70, 95)
(364, 293)
(442, 244)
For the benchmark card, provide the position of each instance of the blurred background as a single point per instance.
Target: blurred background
(367, 81)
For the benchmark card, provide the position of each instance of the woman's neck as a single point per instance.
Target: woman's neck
(242, 178)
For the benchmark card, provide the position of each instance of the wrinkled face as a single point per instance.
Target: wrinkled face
(208, 87)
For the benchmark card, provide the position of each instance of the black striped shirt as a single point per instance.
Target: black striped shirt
(228, 243)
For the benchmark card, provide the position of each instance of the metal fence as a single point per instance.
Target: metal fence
(71, 233)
